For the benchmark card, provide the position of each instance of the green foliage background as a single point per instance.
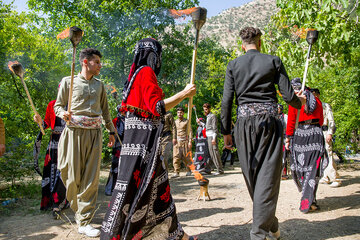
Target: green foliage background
(115, 26)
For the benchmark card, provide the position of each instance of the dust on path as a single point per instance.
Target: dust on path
(228, 216)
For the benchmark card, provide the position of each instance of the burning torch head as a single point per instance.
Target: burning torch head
(199, 17)
(16, 68)
(75, 35)
(312, 36)
(203, 182)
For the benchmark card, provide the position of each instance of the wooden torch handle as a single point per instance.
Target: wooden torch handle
(192, 81)
(71, 83)
(32, 104)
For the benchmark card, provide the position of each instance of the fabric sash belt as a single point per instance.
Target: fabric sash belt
(78, 121)
(310, 122)
(254, 109)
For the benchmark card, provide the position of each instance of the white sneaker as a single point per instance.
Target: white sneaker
(335, 184)
(323, 181)
(89, 231)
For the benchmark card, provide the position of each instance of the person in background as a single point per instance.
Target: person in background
(306, 143)
(182, 144)
(202, 155)
(120, 127)
(2, 137)
(169, 133)
(258, 132)
(211, 134)
(286, 153)
(331, 176)
(53, 189)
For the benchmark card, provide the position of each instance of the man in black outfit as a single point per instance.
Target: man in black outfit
(258, 131)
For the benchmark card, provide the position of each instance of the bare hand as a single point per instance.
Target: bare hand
(174, 141)
(287, 144)
(190, 90)
(111, 141)
(190, 145)
(67, 116)
(302, 97)
(213, 142)
(37, 119)
(228, 143)
(328, 138)
(2, 149)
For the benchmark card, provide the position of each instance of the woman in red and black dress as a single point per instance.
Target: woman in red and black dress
(306, 144)
(141, 206)
(53, 189)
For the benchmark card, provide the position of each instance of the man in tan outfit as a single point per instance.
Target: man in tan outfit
(80, 144)
(331, 175)
(168, 133)
(2, 137)
(182, 144)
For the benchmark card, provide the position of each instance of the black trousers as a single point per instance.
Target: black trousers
(259, 142)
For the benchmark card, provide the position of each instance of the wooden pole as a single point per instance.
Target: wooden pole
(71, 83)
(303, 83)
(192, 79)
(31, 103)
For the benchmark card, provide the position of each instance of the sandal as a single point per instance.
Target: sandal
(193, 238)
(56, 213)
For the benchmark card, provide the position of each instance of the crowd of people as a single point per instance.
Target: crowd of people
(144, 131)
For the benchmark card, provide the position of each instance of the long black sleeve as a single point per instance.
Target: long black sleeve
(285, 88)
(227, 100)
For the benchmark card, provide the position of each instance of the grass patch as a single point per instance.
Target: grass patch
(27, 195)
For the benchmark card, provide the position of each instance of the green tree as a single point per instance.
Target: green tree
(334, 58)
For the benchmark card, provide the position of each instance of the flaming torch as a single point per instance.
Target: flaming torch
(202, 181)
(198, 15)
(18, 70)
(311, 37)
(75, 35)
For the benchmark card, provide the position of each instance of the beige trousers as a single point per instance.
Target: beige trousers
(165, 149)
(215, 155)
(180, 151)
(79, 157)
(330, 172)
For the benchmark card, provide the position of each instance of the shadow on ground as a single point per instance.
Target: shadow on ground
(293, 229)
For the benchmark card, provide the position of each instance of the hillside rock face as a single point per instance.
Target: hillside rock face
(226, 26)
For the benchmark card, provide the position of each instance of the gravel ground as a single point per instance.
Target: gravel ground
(227, 216)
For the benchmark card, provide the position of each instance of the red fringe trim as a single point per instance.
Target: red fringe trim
(138, 111)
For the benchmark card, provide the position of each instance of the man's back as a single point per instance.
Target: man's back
(254, 75)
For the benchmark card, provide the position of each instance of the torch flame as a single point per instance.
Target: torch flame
(10, 65)
(299, 32)
(64, 34)
(181, 13)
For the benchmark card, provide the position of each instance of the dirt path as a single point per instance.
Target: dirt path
(227, 216)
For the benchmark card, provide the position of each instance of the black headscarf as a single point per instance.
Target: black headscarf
(147, 53)
(310, 105)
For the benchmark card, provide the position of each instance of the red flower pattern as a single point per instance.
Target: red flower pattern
(166, 196)
(304, 204)
(137, 236)
(47, 159)
(137, 177)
